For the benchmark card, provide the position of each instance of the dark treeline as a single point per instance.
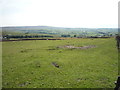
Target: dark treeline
(25, 36)
(65, 35)
(98, 37)
(85, 36)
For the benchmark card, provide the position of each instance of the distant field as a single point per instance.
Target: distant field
(29, 64)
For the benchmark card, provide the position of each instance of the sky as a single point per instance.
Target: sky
(60, 13)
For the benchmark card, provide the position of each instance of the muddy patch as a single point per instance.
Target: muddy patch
(82, 47)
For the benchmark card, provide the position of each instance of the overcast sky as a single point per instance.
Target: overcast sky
(60, 13)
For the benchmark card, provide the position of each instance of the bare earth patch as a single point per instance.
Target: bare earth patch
(82, 47)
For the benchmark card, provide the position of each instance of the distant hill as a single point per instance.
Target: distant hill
(59, 30)
(54, 28)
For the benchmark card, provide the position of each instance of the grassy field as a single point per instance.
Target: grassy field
(28, 64)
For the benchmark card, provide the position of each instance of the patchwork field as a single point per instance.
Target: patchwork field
(54, 64)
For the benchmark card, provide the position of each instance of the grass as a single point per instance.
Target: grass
(28, 64)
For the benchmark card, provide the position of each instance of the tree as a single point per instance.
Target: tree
(75, 35)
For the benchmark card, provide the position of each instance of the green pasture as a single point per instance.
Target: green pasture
(28, 64)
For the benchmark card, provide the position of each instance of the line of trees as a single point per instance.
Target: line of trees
(25, 36)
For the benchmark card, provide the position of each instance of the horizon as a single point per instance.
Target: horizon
(58, 27)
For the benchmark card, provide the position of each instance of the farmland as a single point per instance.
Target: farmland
(29, 64)
(55, 32)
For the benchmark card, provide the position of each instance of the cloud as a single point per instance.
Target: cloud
(66, 13)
